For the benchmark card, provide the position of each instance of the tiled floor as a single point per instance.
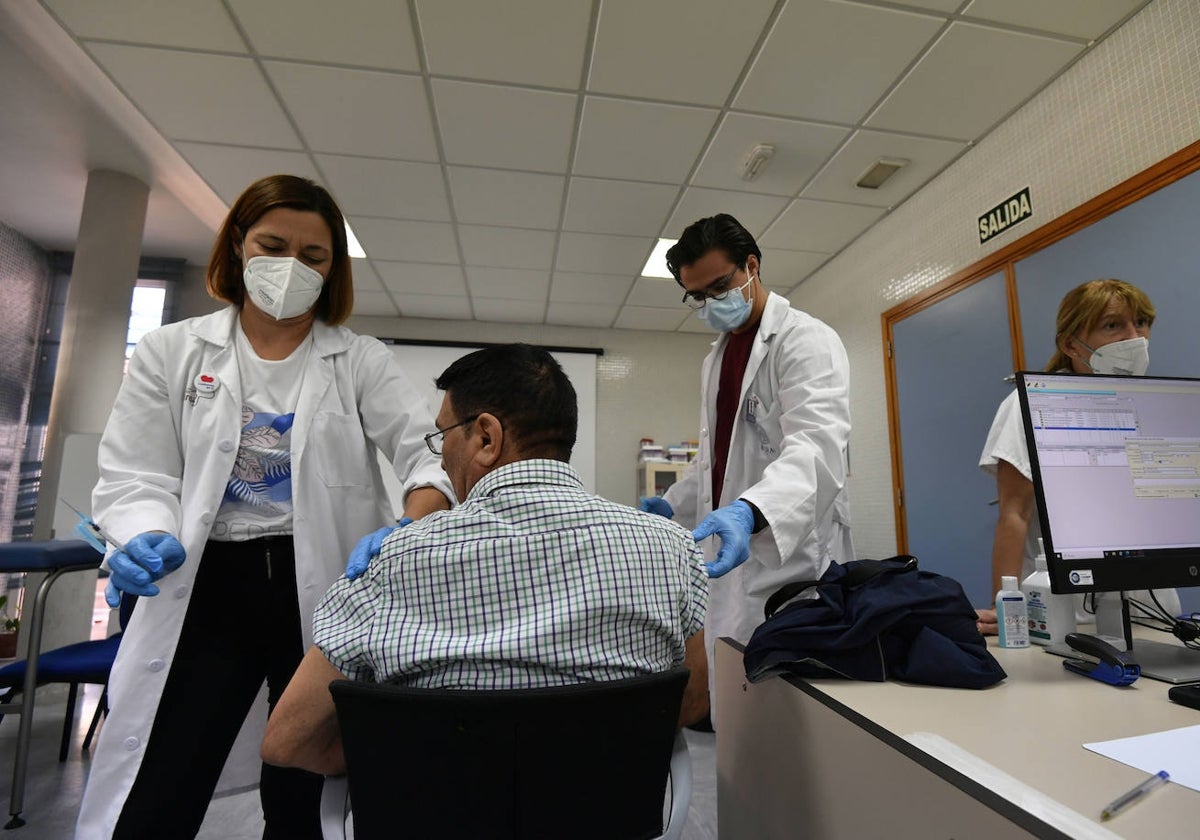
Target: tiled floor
(53, 790)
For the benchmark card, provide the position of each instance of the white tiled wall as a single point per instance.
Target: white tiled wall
(1127, 104)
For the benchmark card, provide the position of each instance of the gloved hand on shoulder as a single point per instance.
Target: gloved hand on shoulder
(656, 504)
(733, 524)
(368, 548)
(146, 558)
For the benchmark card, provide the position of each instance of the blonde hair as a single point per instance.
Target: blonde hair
(1083, 307)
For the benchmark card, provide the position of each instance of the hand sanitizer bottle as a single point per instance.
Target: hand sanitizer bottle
(1011, 614)
(1051, 616)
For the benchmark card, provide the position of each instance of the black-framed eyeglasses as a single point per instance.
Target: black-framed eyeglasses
(716, 290)
(434, 439)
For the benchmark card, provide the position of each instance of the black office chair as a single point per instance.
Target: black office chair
(583, 761)
(82, 663)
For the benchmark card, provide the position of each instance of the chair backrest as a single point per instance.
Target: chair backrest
(575, 761)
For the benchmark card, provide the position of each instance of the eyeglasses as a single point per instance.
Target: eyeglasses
(716, 290)
(434, 439)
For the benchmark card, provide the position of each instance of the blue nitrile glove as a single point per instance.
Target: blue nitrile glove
(146, 558)
(368, 549)
(656, 504)
(733, 524)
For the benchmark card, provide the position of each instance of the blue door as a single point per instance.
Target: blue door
(951, 360)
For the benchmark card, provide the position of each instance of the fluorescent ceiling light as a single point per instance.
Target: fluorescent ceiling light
(352, 245)
(656, 266)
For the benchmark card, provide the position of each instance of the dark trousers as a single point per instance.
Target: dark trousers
(242, 626)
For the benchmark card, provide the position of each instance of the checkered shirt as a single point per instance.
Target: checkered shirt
(530, 582)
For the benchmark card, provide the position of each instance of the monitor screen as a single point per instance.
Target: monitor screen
(1116, 473)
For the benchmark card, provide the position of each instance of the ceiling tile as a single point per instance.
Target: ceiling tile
(389, 239)
(509, 128)
(228, 100)
(836, 182)
(674, 50)
(535, 42)
(657, 292)
(827, 60)
(230, 169)
(362, 33)
(800, 149)
(509, 311)
(512, 283)
(365, 278)
(1077, 18)
(946, 6)
(599, 254)
(435, 306)
(579, 287)
(409, 278)
(819, 226)
(501, 197)
(374, 303)
(357, 112)
(392, 189)
(626, 207)
(754, 212)
(649, 318)
(640, 140)
(955, 91)
(581, 314)
(784, 269)
(194, 24)
(507, 247)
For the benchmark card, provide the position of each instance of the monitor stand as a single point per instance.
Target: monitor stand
(1172, 663)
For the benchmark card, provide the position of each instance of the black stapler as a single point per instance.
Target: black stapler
(1116, 667)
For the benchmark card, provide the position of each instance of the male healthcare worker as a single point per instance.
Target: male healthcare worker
(769, 479)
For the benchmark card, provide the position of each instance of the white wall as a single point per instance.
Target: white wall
(1128, 104)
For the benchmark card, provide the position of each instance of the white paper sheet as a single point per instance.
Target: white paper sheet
(1177, 751)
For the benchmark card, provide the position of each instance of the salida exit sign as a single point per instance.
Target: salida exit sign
(1004, 215)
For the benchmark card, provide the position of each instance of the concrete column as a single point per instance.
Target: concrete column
(90, 368)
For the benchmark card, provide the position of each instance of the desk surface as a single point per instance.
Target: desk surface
(1032, 726)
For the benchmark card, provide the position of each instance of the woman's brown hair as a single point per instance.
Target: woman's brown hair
(225, 263)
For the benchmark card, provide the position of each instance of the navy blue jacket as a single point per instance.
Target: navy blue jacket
(875, 620)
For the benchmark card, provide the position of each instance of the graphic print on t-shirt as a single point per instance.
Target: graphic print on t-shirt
(262, 473)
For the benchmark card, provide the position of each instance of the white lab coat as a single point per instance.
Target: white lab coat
(165, 457)
(787, 455)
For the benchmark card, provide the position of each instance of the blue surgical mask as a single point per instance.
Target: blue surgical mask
(730, 312)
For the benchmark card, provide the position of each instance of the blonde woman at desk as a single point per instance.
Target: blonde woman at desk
(1103, 327)
(238, 471)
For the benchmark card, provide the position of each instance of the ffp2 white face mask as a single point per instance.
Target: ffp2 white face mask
(282, 287)
(1129, 357)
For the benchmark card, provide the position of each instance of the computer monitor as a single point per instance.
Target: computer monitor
(1116, 473)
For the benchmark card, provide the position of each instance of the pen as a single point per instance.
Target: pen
(1125, 800)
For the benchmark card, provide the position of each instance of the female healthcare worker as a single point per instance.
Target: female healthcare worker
(1103, 327)
(238, 470)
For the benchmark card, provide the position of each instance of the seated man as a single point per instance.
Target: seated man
(529, 582)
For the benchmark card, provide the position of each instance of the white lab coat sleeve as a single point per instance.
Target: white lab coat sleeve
(395, 417)
(684, 495)
(140, 459)
(798, 487)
